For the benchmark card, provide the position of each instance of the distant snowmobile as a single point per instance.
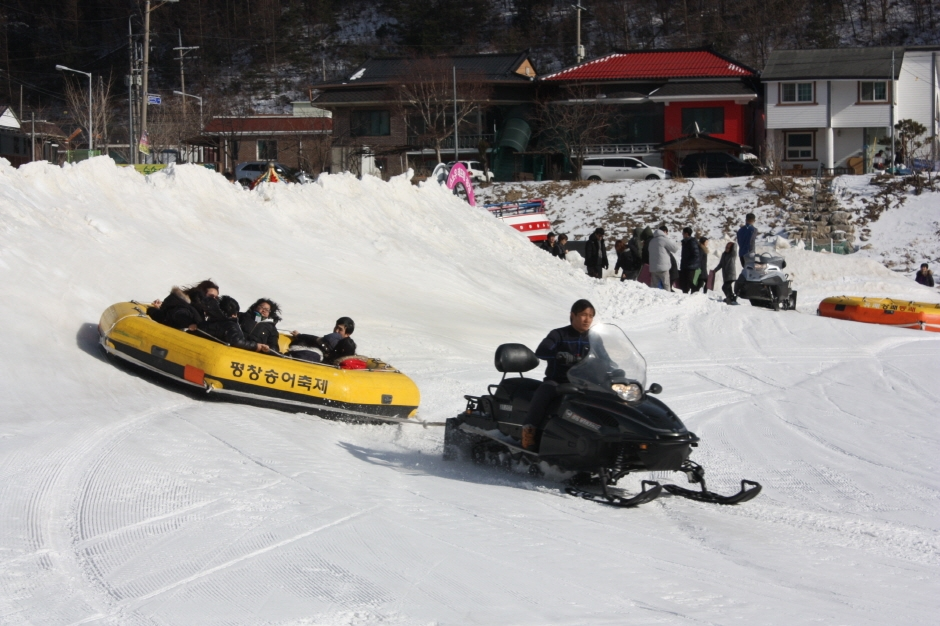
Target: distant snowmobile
(602, 425)
(763, 282)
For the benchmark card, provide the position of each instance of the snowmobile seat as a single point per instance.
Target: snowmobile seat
(515, 358)
(516, 392)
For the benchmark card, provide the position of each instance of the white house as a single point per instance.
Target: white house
(837, 107)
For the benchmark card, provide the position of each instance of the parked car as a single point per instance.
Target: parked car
(715, 165)
(620, 168)
(478, 173)
(247, 172)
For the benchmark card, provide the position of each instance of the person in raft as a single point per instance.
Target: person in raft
(328, 348)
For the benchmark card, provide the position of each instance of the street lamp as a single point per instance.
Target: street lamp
(189, 95)
(91, 120)
(143, 105)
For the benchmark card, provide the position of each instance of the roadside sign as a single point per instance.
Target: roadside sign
(154, 98)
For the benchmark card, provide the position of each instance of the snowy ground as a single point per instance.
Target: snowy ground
(125, 502)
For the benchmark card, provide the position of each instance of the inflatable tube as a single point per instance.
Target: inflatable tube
(919, 315)
(377, 392)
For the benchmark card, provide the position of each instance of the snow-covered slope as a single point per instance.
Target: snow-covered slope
(124, 502)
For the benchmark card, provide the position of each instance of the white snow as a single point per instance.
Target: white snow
(123, 501)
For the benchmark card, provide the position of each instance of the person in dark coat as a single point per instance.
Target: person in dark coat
(729, 272)
(189, 307)
(702, 282)
(328, 348)
(259, 323)
(226, 328)
(628, 260)
(561, 349)
(645, 236)
(549, 244)
(747, 237)
(595, 254)
(561, 248)
(690, 261)
(924, 276)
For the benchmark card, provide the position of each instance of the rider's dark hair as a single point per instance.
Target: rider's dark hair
(347, 323)
(581, 305)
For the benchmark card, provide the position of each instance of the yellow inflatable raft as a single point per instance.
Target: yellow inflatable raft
(377, 392)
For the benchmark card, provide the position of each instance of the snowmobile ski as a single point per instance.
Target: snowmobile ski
(696, 474)
(749, 489)
(617, 497)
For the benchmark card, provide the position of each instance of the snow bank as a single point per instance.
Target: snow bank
(124, 502)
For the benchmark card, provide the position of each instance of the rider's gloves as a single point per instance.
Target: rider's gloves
(566, 357)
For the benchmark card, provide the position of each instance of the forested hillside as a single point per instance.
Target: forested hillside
(262, 49)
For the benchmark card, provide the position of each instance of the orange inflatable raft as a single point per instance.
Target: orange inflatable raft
(919, 315)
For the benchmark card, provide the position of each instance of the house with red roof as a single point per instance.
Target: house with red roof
(680, 98)
(300, 140)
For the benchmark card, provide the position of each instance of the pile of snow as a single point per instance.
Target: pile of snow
(126, 502)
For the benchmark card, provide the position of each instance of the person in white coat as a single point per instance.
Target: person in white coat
(660, 262)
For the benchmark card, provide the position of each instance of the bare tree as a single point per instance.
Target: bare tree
(572, 123)
(102, 110)
(427, 101)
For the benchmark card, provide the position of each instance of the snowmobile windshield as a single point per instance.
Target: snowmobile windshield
(611, 362)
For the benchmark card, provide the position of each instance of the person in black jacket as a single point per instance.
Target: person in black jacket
(561, 349)
(561, 248)
(629, 260)
(549, 244)
(226, 328)
(328, 348)
(595, 254)
(259, 323)
(690, 261)
(728, 272)
(189, 307)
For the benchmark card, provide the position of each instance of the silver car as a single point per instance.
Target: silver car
(620, 168)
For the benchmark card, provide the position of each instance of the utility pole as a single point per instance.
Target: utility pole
(579, 49)
(456, 152)
(146, 95)
(131, 79)
(183, 50)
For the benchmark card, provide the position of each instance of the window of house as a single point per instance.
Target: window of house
(267, 150)
(801, 146)
(797, 93)
(710, 120)
(873, 91)
(369, 123)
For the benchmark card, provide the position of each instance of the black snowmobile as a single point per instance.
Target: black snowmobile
(602, 425)
(764, 283)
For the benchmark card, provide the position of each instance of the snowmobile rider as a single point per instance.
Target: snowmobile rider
(562, 348)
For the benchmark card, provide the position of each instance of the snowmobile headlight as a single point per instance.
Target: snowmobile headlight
(631, 392)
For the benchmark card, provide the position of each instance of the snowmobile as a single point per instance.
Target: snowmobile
(763, 282)
(602, 425)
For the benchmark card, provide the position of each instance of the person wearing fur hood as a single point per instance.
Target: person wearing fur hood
(187, 308)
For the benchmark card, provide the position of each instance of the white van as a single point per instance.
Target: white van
(620, 168)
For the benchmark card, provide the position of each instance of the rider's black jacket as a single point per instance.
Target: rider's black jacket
(565, 339)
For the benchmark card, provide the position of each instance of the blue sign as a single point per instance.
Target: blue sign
(154, 98)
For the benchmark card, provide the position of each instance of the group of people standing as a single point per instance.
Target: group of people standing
(653, 248)
(200, 309)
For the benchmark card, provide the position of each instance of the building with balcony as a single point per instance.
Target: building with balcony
(835, 108)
